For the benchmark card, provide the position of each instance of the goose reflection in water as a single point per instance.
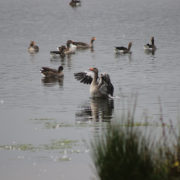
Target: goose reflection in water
(96, 110)
(49, 81)
(149, 52)
(118, 56)
(65, 61)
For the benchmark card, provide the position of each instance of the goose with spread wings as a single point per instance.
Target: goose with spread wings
(100, 86)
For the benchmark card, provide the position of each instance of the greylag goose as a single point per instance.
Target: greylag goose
(82, 45)
(60, 52)
(33, 48)
(74, 3)
(99, 86)
(63, 50)
(150, 47)
(53, 73)
(71, 48)
(123, 50)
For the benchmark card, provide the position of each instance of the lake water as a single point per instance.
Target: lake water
(46, 127)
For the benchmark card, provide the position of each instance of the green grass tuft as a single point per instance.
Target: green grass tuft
(122, 153)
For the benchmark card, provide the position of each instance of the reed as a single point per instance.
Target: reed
(125, 153)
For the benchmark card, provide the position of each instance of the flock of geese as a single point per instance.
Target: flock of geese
(100, 85)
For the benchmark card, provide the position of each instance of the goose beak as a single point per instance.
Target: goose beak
(91, 69)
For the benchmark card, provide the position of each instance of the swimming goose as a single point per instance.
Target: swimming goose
(74, 3)
(33, 48)
(150, 47)
(123, 50)
(63, 50)
(53, 73)
(71, 47)
(82, 45)
(60, 52)
(99, 86)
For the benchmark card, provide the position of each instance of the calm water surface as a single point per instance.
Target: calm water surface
(46, 125)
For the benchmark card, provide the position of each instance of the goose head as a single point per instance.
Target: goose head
(93, 39)
(32, 43)
(60, 68)
(129, 45)
(95, 70)
(61, 48)
(69, 42)
(152, 40)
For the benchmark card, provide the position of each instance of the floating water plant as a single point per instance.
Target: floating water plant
(21, 147)
(42, 119)
(55, 125)
(54, 145)
(59, 144)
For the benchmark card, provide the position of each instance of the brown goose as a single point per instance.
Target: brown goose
(60, 52)
(63, 50)
(53, 73)
(82, 45)
(71, 48)
(150, 47)
(33, 48)
(123, 50)
(99, 86)
(74, 3)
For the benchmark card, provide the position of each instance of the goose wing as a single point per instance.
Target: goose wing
(48, 70)
(148, 46)
(107, 82)
(84, 77)
(80, 44)
(55, 52)
(120, 48)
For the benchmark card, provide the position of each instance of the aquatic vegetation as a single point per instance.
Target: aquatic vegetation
(51, 123)
(60, 144)
(122, 151)
(21, 147)
(53, 145)
(55, 125)
(142, 124)
(42, 119)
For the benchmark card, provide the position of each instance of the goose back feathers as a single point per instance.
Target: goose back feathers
(53, 73)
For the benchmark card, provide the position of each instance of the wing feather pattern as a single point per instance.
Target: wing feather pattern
(121, 48)
(84, 77)
(47, 69)
(106, 79)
